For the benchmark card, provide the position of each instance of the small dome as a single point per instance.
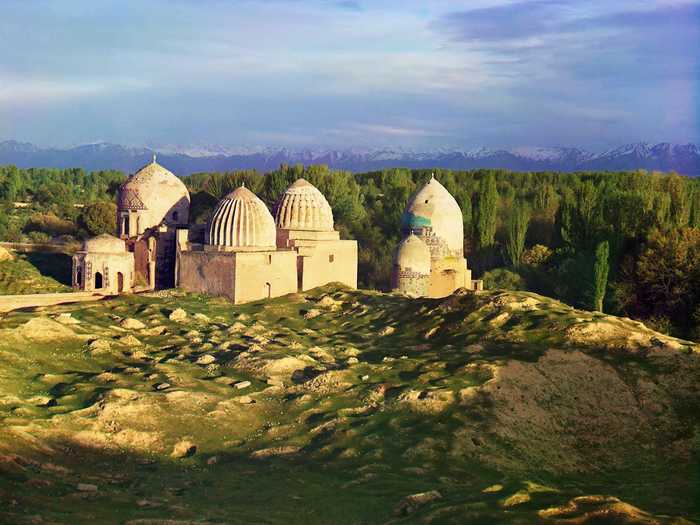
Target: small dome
(104, 243)
(242, 220)
(413, 254)
(434, 211)
(303, 207)
(157, 193)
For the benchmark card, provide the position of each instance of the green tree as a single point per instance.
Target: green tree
(486, 212)
(518, 221)
(601, 267)
(99, 217)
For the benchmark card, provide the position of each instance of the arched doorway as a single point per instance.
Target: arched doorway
(125, 228)
(120, 282)
(79, 278)
(98, 281)
(268, 290)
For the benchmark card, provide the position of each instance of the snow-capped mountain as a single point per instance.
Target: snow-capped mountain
(183, 160)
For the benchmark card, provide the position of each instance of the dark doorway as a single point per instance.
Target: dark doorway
(98, 281)
(120, 282)
(268, 290)
(125, 231)
(79, 278)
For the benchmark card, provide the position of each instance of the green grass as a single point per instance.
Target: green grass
(364, 443)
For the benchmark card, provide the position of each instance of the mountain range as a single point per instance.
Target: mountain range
(682, 158)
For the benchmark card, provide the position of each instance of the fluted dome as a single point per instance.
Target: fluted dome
(433, 213)
(104, 243)
(157, 194)
(413, 254)
(303, 207)
(242, 220)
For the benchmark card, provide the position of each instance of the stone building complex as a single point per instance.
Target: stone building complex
(244, 253)
(429, 261)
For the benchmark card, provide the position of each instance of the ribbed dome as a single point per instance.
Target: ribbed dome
(104, 243)
(413, 254)
(303, 207)
(434, 208)
(241, 220)
(157, 193)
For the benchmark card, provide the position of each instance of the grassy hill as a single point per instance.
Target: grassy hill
(335, 406)
(29, 273)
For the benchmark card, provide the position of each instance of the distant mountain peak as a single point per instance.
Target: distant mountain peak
(663, 156)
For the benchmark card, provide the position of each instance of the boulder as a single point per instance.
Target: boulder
(184, 449)
(178, 315)
(132, 324)
(5, 254)
(412, 503)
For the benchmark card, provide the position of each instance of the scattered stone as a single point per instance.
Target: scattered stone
(132, 324)
(493, 488)
(154, 330)
(129, 340)
(201, 317)
(242, 384)
(178, 315)
(184, 449)
(365, 378)
(518, 498)
(5, 254)
(245, 400)
(353, 360)
(161, 386)
(387, 330)
(213, 460)
(99, 346)
(430, 333)
(412, 503)
(312, 314)
(206, 359)
(87, 487)
(236, 328)
(275, 451)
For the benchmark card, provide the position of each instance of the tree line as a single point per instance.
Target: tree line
(626, 243)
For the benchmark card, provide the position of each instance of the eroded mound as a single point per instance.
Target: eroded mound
(509, 405)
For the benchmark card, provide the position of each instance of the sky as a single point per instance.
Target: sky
(350, 73)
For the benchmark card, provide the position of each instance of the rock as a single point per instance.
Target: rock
(99, 346)
(132, 324)
(184, 449)
(202, 318)
(161, 386)
(412, 503)
(66, 318)
(365, 378)
(387, 330)
(129, 340)
(245, 400)
(5, 254)
(87, 487)
(206, 359)
(312, 314)
(242, 384)
(213, 460)
(598, 509)
(518, 498)
(493, 488)
(154, 330)
(275, 451)
(353, 360)
(178, 315)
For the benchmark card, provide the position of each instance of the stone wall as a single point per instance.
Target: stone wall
(206, 272)
(327, 262)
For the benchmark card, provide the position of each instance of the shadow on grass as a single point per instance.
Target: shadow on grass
(55, 265)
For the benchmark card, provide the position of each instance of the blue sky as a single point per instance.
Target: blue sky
(298, 73)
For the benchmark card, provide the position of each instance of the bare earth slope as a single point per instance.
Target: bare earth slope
(345, 407)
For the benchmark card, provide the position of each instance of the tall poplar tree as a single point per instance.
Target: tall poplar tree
(601, 267)
(486, 212)
(518, 222)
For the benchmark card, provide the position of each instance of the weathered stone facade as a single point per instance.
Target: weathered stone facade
(243, 253)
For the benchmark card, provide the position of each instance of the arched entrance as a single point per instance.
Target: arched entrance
(98, 281)
(268, 290)
(79, 278)
(120, 282)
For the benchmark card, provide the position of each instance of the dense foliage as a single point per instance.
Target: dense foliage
(626, 243)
